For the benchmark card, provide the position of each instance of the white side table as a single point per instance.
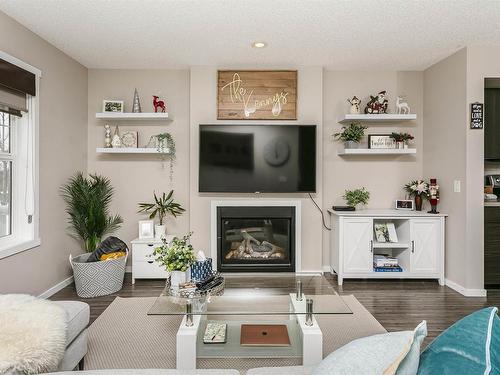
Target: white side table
(143, 264)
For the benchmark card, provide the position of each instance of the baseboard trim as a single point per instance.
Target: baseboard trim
(327, 269)
(464, 291)
(56, 288)
(128, 269)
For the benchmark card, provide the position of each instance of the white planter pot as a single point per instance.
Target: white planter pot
(179, 277)
(351, 144)
(160, 231)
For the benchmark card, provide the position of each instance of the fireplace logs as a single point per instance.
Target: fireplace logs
(250, 248)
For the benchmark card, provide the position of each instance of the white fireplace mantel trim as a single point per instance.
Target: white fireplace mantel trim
(257, 202)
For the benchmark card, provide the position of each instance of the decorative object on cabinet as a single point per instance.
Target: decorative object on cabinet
(176, 256)
(381, 141)
(162, 206)
(107, 136)
(146, 229)
(476, 115)
(417, 189)
(257, 95)
(385, 232)
(355, 105)
(112, 106)
(402, 107)
(351, 135)
(130, 139)
(377, 104)
(116, 142)
(420, 250)
(357, 197)
(87, 205)
(136, 103)
(401, 139)
(159, 104)
(433, 196)
(404, 204)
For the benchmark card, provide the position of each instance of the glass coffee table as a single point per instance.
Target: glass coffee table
(236, 307)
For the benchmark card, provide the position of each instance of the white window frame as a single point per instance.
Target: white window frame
(25, 166)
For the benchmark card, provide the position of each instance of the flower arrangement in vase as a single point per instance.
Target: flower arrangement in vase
(357, 197)
(351, 135)
(418, 189)
(402, 139)
(177, 258)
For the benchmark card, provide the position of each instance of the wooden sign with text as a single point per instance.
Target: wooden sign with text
(257, 95)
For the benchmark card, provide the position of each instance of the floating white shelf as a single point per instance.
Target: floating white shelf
(377, 151)
(128, 150)
(390, 245)
(382, 118)
(133, 116)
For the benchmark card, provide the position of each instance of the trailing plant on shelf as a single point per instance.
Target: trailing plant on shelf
(351, 135)
(87, 204)
(165, 145)
(356, 197)
(161, 207)
(419, 190)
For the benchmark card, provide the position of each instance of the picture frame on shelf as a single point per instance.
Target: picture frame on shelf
(385, 232)
(404, 204)
(146, 229)
(381, 141)
(113, 106)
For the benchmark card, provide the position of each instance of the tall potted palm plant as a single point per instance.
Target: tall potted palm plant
(87, 205)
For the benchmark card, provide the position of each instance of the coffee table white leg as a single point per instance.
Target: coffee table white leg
(312, 341)
(186, 343)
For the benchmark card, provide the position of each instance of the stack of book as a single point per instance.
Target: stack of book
(385, 263)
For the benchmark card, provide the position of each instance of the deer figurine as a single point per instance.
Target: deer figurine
(158, 104)
(402, 107)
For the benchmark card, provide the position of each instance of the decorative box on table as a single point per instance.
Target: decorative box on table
(201, 270)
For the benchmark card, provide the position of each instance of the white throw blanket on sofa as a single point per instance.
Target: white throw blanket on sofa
(32, 334)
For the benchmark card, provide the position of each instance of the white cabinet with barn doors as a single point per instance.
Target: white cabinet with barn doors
(419, 248)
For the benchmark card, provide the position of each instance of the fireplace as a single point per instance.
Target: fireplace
(256, 239)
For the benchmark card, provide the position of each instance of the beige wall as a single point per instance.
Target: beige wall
(383, 176)
(203, 111)
(135, 177)
(445, 151)
(63, 140)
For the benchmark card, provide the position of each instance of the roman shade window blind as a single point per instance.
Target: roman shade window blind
(15, 84)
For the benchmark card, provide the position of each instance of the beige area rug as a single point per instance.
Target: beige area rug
(124, 336)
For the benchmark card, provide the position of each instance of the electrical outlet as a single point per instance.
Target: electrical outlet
(456, 186)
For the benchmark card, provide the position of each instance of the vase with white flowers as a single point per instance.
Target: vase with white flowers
(419, 190)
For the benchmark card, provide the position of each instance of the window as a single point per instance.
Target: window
(19, 173)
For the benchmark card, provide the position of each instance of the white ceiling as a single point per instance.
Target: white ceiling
(341, 35)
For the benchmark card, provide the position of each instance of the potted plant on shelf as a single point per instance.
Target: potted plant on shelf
(87, 205)
(418, 189)
(401, 139)
(351, 135)
(357, 197)
(161, 207)
(165, 145)
(177, 257)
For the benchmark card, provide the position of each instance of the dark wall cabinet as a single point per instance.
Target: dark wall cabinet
(492, 247)
(492, 119)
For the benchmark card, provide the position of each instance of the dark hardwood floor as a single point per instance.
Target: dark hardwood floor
(397, 305)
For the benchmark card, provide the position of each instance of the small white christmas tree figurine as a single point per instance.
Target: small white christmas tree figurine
(136, 106)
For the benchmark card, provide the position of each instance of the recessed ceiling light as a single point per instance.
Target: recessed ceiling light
(259, 44)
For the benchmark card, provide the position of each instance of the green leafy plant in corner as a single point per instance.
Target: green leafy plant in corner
(354, 132)
(162, 206)
(178, 255)
(87, 205)
(357, 196)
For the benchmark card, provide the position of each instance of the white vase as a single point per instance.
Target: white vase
(179, 277)
(351, 144)
(160, 231)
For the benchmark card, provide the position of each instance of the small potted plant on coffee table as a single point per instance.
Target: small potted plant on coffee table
(351, 135)
(357, 197)
(177, 257)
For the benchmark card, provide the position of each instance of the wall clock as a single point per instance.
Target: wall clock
(276, 152)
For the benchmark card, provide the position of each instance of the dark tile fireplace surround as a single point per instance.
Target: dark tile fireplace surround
(256, 239)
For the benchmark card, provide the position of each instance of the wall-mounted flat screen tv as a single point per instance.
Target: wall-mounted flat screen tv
(257, 158)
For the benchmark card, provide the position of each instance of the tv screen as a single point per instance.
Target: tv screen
(257, 158)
